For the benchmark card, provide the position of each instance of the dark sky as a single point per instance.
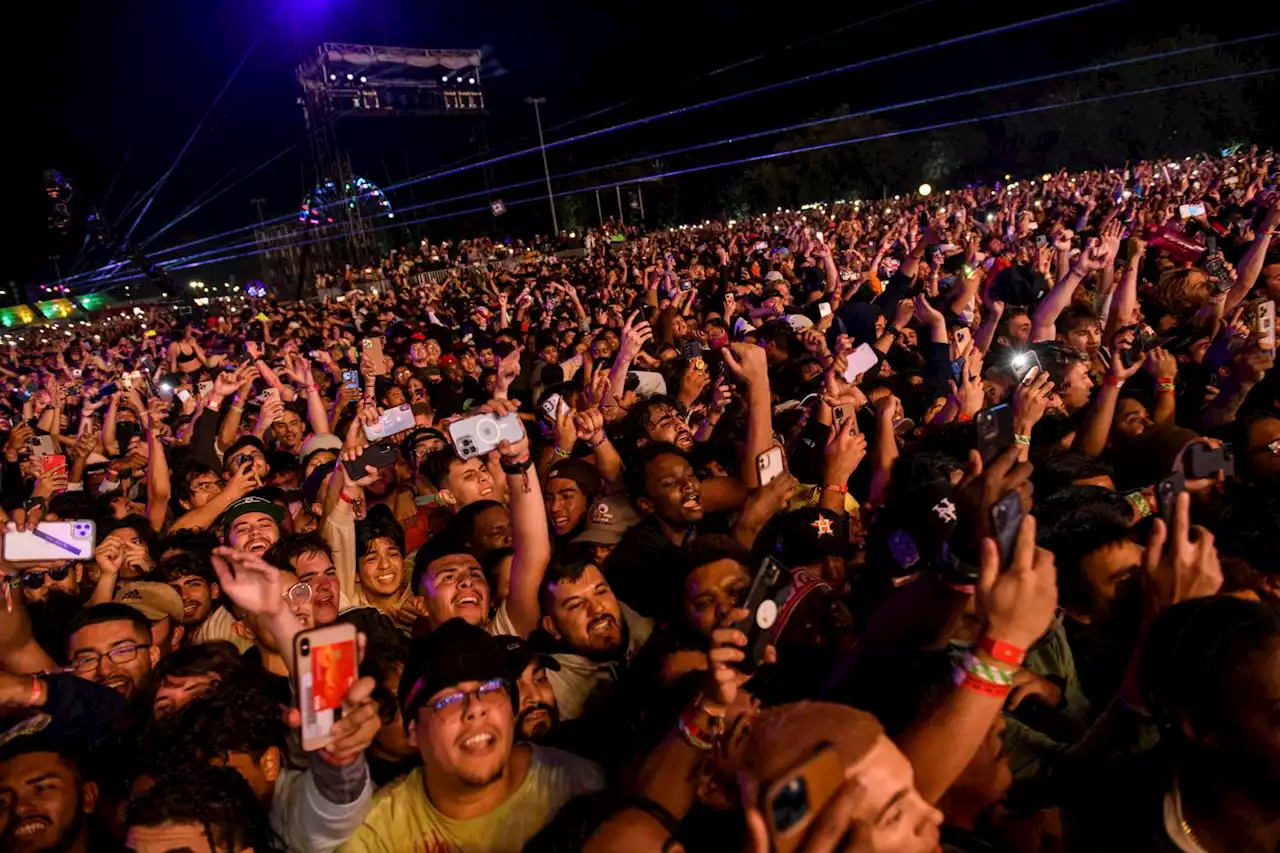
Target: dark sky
(107, 88)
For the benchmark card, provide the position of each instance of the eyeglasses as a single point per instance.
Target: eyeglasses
(35, 579)
(450, 705)
(118, 655)
(298, 594)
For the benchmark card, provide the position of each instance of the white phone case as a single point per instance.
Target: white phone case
(479, 434)
(52, 540)
(399, 419)
(860, 361)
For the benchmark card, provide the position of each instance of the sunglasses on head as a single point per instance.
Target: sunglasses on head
(35, 579)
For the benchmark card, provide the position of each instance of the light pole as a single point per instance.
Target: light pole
(555, 227)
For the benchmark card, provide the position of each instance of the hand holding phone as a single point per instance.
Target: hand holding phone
(326, 667)
(769, 591)
(770, 465)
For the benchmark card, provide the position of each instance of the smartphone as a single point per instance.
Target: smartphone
(686, 285)
(957, 369)
(1216, 267)
(551, 406)
(1006, 519)
(1262, 321)
(351, 379)
(861, 360)
(1186, 211)
(271, 394)
(1144, 338)
(691, 350)
(769, 591)
(377, 455)
(1025, 366)
(995, 431)
(41, 446)
(52, 540)
(791, 803)
(205, 387)
(1167, 491)
(399, 419)
(1203, 461)
(1041, 241)
(373, 346)
(183, 394)
(326, 668)
(479, 434)
(770, 465)
(105, 391)
(52, 462)
(817, 235)
(824, 310)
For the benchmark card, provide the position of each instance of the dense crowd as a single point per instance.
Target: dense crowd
(939, 522)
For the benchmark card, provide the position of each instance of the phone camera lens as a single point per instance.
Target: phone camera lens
(791, 805)
(305, 646)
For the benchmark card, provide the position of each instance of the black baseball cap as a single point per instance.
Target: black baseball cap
(249, 504)
(520, 654)
(455, 652)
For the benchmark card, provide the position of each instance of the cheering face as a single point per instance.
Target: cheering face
(465, 734)
(254, 532)
(586, 614)
(52, 575)
(42, 804)
(197, 598)
(455, 585)
(381, 568)
(1077, 386)
(316, 571)
(664, 425)
(566, 504)
(538, 710)
(469, 481)
(290, 430)
(116, 654)
(674, 492)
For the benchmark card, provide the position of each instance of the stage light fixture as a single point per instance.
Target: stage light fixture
(351, 76)
(333, 76)
(444, 79)
(364, 79)
(471, 80)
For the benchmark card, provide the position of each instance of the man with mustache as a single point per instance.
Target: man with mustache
(46, 802)
(252, 524)
(527, 669)
(111, 644)
(477, 788)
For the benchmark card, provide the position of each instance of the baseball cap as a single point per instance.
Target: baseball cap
(806, 536)
(153, 600)
(520, 654)
(586, 475)
(455, 652)
(249, 504)
(773, 275)
(608, 519)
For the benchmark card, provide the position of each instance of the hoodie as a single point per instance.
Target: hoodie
(582, 679)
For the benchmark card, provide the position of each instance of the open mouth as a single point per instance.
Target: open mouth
(386, 579)
(693, 502)
(486, 491)
(117, 682)
(189, 608)
(30, 827)
(468, 600)
(560, 521)
(478, 742)
(601, 624)
(257, 546)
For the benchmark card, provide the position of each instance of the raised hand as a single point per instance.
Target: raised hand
(634, 336)
(747, 362)
(1019, 602)
(249, 581)
(1030, 399)
(1180, 564)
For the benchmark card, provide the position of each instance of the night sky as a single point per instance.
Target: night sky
(106, 80)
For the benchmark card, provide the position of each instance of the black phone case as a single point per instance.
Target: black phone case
(995, 431)
(1167, 491)
(1006, 521)
(376, 455)
(758, 625)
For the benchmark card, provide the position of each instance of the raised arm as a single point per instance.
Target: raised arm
(748, 363)
(1254, 257)
(158, 485)
(531, 541)
(1091, 439)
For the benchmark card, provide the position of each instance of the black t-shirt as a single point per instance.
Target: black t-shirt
(447, 400)
(645, 571)
(275, 686)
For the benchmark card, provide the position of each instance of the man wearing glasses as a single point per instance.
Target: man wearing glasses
(111, 644)
(492, 793)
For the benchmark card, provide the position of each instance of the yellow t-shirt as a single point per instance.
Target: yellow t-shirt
(402, 819)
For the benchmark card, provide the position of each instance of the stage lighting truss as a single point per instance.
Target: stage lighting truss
(360, 79)
(354, 199)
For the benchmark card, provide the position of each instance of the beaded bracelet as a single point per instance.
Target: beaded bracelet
(561, 454)
(694, 735)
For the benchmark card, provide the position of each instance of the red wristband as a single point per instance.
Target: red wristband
(986, 688)
(835, 487)
(342, 496)
(1002, 651)
(963, 418)
(1113, 382)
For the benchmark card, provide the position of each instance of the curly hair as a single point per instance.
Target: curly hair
(217, 799)
(217, 725)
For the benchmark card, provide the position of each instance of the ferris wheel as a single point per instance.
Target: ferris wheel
(331, 202)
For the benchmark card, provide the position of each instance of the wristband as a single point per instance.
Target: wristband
(970, 682)
(561, 454)
(1002, 651)
(212, 405)
(594, 444)
(964, 418)
(993, 673)
(1139, 501)
(1164, 388)
(342, 496)
(37, 691)
(693, 734)
(518, 467)
(1113, 382)
(836, 487)
(1024, 440)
